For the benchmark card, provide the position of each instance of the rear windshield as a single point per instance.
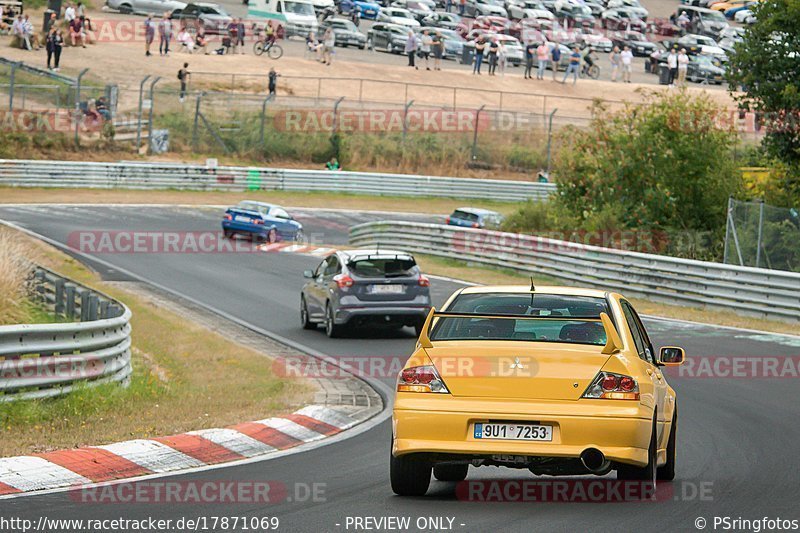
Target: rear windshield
(383, 268)
(547, 307)
(463, 215)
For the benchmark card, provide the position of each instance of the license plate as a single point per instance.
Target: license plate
(240, 218)
(512, 431)
(387, 289)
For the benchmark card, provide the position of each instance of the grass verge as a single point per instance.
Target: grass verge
(490, 276)
(185, 377)
(13, 195)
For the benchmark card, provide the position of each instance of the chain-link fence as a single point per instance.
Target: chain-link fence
(761, 235)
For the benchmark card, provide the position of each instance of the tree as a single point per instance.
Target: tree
(662, 164)
(766, 65)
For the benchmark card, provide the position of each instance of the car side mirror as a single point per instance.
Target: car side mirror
(308, 274)
(671, 356)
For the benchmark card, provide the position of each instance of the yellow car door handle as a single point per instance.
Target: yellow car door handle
(649, 372)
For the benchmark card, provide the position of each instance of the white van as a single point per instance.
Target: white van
(296, 16)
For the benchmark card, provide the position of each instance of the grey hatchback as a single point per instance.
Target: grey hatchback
(358, 287)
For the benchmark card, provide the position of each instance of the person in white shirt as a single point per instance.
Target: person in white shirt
(425, 48)
(672, 64)
(69, 13)
(683, 66)
(626, 57)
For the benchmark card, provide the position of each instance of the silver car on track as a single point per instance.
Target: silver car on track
(360, 287)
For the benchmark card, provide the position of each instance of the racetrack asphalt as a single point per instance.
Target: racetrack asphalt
(738, 443)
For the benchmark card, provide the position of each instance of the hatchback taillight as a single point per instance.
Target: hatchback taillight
(228, 216)
(343, 280)
(424, 281)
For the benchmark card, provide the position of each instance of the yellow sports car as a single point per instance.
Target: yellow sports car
(558, 380)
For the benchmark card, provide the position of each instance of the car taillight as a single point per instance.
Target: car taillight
(343, 280)
(228, 216)
(420, 379)
(423, 281)
(447, 220)
(258, 221)
(476, 225)
(611, 386)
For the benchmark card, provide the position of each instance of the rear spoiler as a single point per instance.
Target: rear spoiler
(613, 342)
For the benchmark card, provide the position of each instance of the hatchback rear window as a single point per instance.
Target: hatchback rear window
(383, 268)
(463, 215)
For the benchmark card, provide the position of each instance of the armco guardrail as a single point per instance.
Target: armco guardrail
(42, 360)
(751, 291)
(133, 175)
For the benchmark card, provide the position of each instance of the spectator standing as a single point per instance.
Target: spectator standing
(574, 65)
(183, 77)
(683, 67)
(501, 57)
(494, 48)
(328, 42)
(355, 16)
(462, 6)
(425, 47)
(273, 81)
(241, 32)
(672, 63)
(530, 52)
(53, 46)
(480, 46)
(149, 34)
(542, 55)
(333, 164)
(411, 48)
(615, 63)
(437, 45)
(555, 57)
(164, 35)
(626, 58)
(448, 6)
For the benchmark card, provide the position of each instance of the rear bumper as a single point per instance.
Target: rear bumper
(620, 429)
(396, 313)
(240, 227)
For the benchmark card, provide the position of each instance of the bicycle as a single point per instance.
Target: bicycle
(272, 48)
(592, 71)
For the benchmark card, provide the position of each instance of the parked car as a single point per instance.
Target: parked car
(699, 44)
(368, 9)
(398, 15)
(145, 7)
(745, 16)
(211, 17)
(261, 221)
(632, 6)
(704, 21)
(357, 287)
(703, 69)
(622, 19)
(442, 19)
(419, 8)
(388, 37)
(345, 32)
(519, 9)
(476, 8)
(575, 15)
(473, 217)
(637, 41)
(515, 54)
(593, 38)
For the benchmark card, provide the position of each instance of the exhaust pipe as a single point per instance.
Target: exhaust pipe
(595, 462)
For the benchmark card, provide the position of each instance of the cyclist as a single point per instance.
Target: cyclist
(588, 60)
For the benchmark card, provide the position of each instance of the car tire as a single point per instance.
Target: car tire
(125, 9)
(299, 236)
(361, 47)
(305, 320)
(444, 472)
(667, 472)
(410, 475)
(228, 234)
(332, 330)
(645, 473)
